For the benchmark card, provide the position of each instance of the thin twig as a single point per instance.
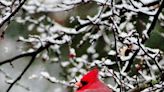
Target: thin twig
(33, 54)
(25, 54)
(15, 58)
(12, 14)
(23, 72)
(151, 28)
(155, 18)
(150, 57)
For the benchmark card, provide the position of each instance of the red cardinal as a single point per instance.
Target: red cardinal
(91, 83)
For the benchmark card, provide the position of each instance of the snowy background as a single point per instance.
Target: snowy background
(78, 35)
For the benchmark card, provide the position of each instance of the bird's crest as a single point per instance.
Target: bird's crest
(91, 75)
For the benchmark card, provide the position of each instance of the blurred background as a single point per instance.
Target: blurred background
(9, 47)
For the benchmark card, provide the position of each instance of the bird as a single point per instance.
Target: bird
(91, 83)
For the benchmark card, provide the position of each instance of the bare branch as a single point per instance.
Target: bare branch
(33, 54)
(23, 72)
(12, 14)
(151, 28)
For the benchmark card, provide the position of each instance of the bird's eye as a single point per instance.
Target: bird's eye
(84, 83)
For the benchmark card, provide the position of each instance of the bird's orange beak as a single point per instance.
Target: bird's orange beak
(78, 84)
